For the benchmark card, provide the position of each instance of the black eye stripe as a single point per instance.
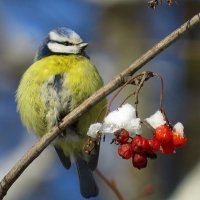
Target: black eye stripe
(66, 43)
(63, 43)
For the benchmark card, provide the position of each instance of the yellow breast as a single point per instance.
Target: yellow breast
(80, 80)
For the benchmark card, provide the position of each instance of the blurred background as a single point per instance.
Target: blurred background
(118, 32)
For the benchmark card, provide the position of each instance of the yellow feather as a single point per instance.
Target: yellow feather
(81, 80)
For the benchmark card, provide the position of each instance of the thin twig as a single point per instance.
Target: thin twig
(162, 97)
(129, 96)
(117, 93)
(136, 80)
(139, 81)
(145, 75)
(44, 141)
(111, 184)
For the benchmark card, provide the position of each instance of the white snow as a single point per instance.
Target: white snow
(134, 127)
(94, 129)
(179, 128)
(109, 128)
(156, 120)
(123, 117)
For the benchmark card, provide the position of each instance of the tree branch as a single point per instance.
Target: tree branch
(118, 81)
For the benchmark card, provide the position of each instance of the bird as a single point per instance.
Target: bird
(61, 78)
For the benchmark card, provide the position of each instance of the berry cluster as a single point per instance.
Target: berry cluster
(140, 149)
(126, 128)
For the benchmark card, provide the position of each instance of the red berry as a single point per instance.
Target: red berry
(139, 160)
(124, 151)
(163, 134)
(167, 148)
(154, 145)
(140, 144)
(122, 136)
(178, 140)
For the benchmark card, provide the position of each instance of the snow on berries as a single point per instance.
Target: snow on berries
(178, 137)
(122, 118)
(126, 128)
(169, 138)
(156, 120)
(94, 129)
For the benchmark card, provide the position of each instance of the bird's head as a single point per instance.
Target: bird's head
(62, 41)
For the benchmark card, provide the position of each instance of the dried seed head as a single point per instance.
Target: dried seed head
(153, 3)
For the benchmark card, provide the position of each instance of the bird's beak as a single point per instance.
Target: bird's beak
(83, 45)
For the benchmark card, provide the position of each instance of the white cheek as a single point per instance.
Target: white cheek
(59, 48)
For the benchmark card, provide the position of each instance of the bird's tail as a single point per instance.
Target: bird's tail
(65, 160)
(88, 185)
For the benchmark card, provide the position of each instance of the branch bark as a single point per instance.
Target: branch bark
(118, 81)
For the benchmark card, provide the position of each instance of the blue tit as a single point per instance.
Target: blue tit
(61, 78)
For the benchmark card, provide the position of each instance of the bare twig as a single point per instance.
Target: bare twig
(130, 80)
(111, 184)
(139, 81)
(118, 81)
(147, 190)
(145, 75)
(162, 97)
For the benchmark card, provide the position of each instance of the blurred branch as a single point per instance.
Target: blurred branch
(147, 190)
(118, 81)
(111, 184)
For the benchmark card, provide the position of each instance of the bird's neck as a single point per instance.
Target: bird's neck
(42, 52)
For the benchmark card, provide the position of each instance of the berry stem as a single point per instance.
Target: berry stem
(117, 93)
(162, 97)
(144, 78)
(130, 95)
(136, 80)
(139, 81)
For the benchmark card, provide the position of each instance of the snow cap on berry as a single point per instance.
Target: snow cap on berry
(121, 115)
(179, 128)
(134, 126)
(156, 120)
(124, 117)
(94, 129)
(109, 128)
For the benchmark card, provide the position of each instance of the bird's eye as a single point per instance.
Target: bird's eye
(67, 43)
